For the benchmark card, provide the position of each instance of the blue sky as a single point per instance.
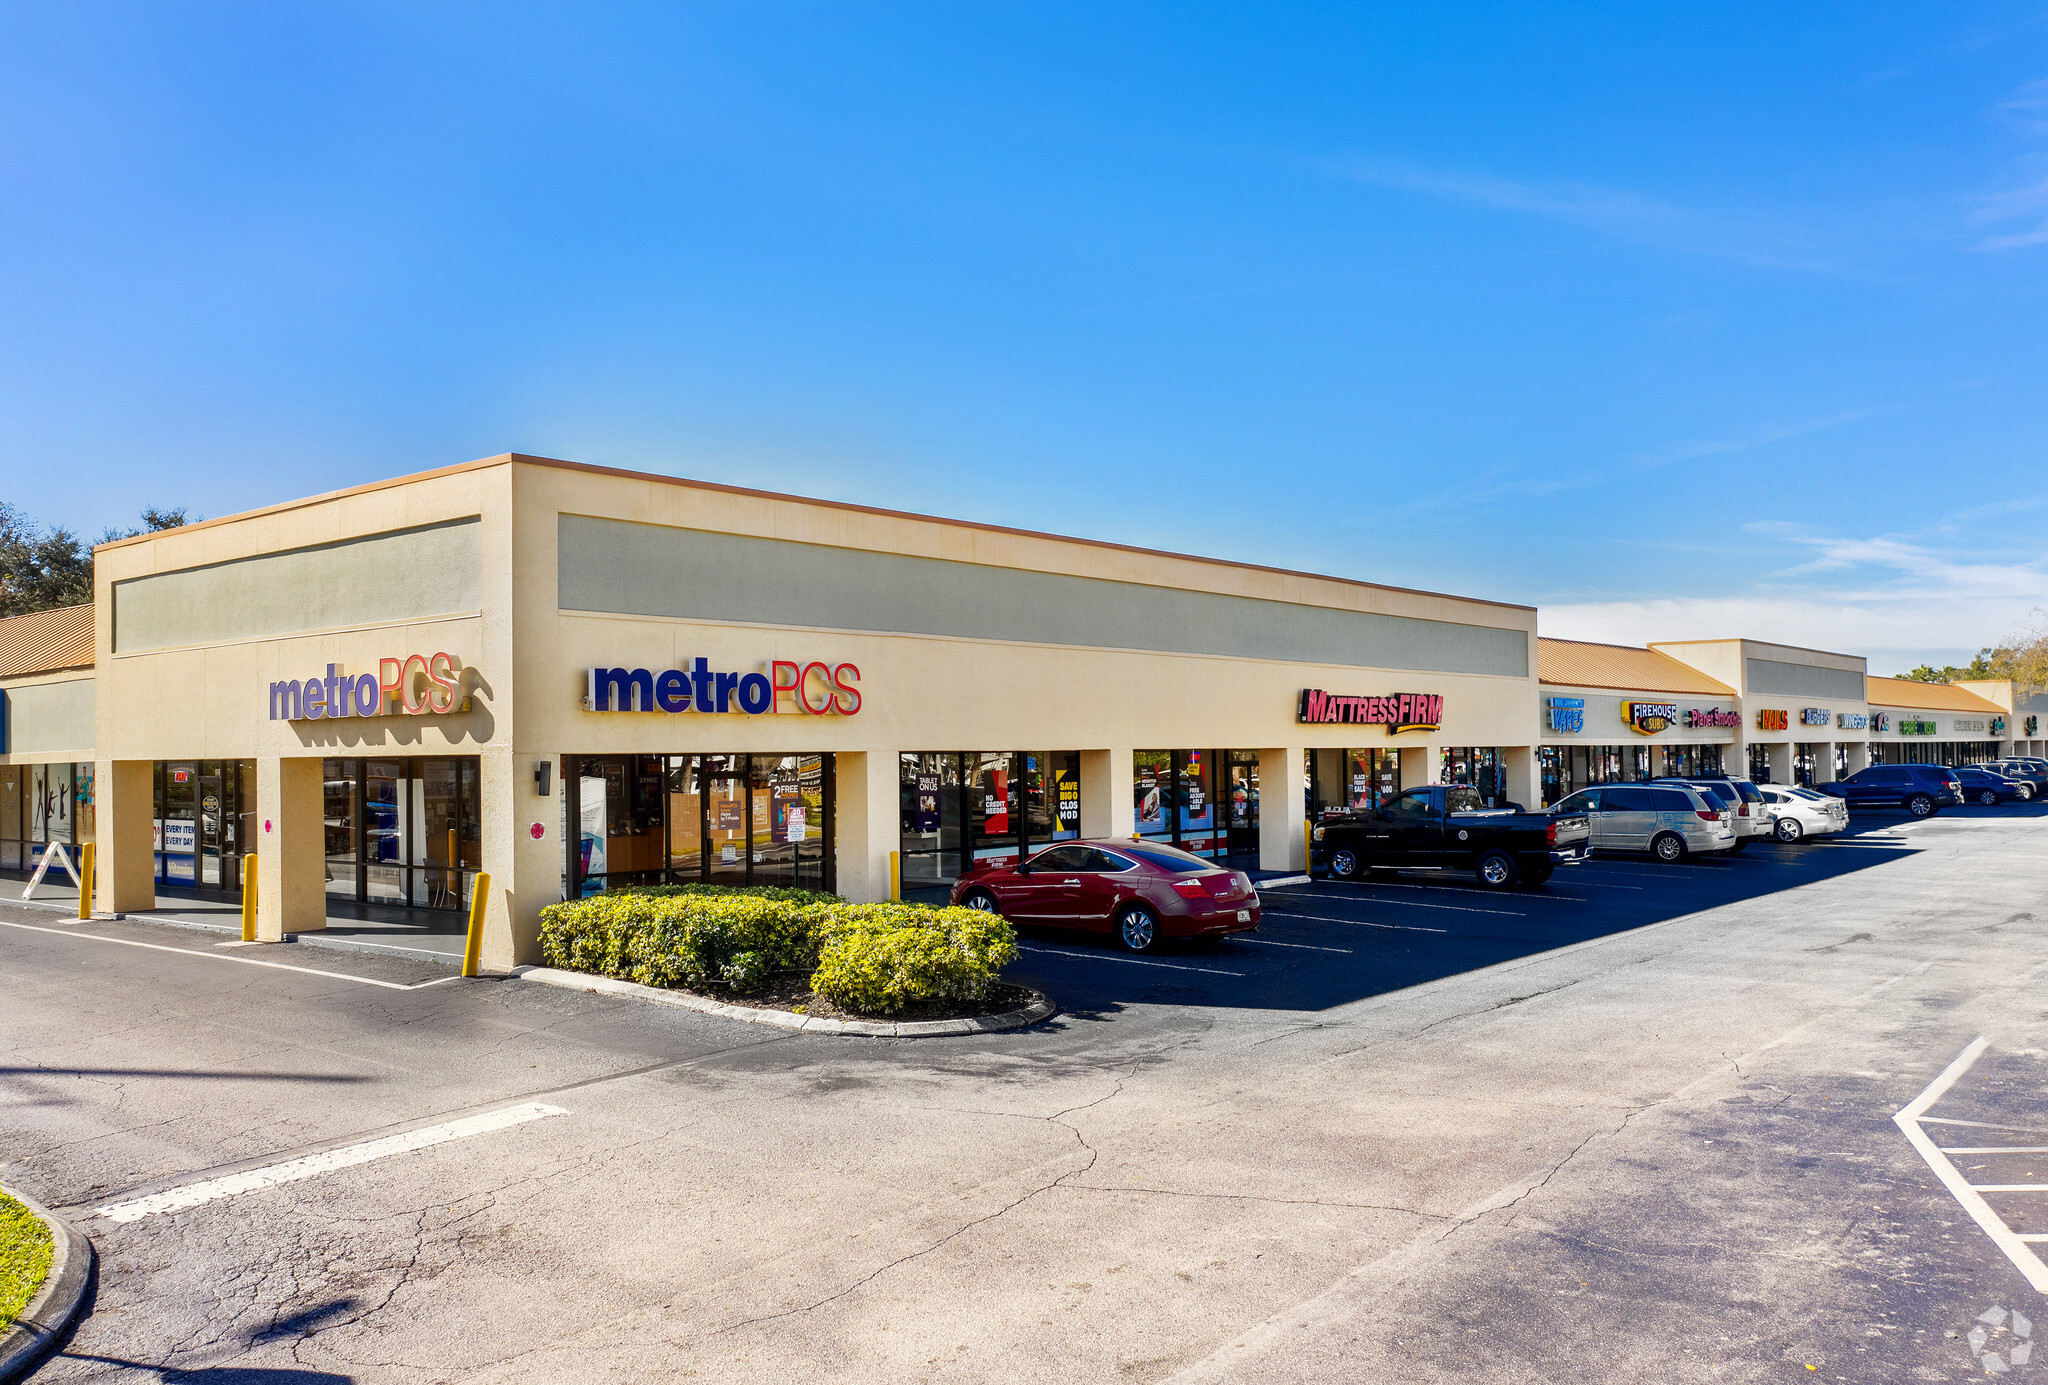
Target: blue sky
(1722, 320)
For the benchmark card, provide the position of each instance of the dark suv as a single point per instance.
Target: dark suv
(1922, 790)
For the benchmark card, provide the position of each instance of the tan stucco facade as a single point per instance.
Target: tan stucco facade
(972, 637)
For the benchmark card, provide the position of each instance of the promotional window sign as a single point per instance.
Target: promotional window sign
(1566, 713)
(819, 689)
(795, 822)
(925, 817)
(1151, 808)
(1851, 721)
(1397, 712)
(1069, 802)
(1916, 728)
(1814, 716)
(1768, 720)
(1697, 718)
(995, 804)
(1648, 718)
(412, 686)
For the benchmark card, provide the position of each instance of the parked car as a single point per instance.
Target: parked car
(1142, 892)
(1988, 788)
(1748, 813)
(1671, 821)
(2032, 773)
(1922, 790)
(1449, 827)
(1798, 813)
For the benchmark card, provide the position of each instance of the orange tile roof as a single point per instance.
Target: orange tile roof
(46, 641)
(1938, 697)
(1578, 664)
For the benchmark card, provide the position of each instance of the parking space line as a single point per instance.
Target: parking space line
(2004, 1237)
(1454, 908)
(1134, 961)
(1996, 1149)
(313, 1165)
(1306, 947)
(245, 961)
(1457, 889)
(1356, 923)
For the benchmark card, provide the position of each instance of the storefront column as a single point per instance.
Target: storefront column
(1524, 779)
(1859, 755)
(1823, 761)
(1283, 808)
(1781, 761)
(1108, 781)
(525, 871)
(124, 835)
(870, 821)
(1418, 766)
(291, 848)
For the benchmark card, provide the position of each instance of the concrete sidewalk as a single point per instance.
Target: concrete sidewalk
(432, 934)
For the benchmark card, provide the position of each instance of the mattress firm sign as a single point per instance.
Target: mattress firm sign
(820, 689)
(1397, 712)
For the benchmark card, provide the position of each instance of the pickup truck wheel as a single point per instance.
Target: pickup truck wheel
(1789, 830)
(1920, 806)
(1537, 875)
(1497, 870)
(1136, 929)
(1669, 848)
(1344, 863)
(1989, 798)
(979, 899)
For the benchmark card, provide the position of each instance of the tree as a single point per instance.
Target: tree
(2023, 655)
(41, 570)
(1979, 667)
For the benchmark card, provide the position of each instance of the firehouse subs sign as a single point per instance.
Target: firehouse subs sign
(1397, 712)
(1648, 718)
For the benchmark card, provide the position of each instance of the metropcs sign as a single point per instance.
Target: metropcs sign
(817, 688)
(412, 686)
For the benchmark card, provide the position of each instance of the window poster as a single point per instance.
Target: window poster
(593, 824)
(1068, 803)
(926, 814)
(995, 804)
(793, 823)
(1151, 804)
(1196, 811)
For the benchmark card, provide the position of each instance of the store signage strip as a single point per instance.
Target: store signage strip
(818, 688)
(1397, 712)
(1698, 718)
(1648, 718)
(1567, 713)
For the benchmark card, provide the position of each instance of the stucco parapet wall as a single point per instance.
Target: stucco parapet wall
(1041, 1008)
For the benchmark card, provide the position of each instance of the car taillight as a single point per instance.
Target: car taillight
(1704, 816)
(1190, 889)
(1550, 833)
(1743, 810)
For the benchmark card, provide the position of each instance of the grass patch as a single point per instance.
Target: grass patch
(25, 1252)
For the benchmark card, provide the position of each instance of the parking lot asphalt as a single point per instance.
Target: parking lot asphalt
(1637, 1124)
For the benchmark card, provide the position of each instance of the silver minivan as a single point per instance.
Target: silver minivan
(1750, 815)
(1670, 821)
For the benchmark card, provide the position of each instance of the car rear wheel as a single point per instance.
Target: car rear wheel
(1344, 863)
(1920, 806)
(1789, 830)
(1669, 848)
(1496, 870)
(1989, 798)
(2026, 793)
(1136, 929)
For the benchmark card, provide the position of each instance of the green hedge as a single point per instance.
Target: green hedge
(871, 958)
(25, 1252)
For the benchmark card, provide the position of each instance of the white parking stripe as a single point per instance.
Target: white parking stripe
(1134, 961)
(313, 1165)
(1996, 1149)
(1305, 947)
(1908, 1120)
(245, 961)
(1355, 923)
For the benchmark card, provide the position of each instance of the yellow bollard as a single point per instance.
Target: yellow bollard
(1308, 847)
(895, 877)
(85, 882)
(248, 899)
(473, 949)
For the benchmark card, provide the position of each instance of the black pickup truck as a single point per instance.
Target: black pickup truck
(1448, 827)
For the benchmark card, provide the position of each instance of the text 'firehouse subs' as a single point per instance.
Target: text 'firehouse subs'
(1398, 712)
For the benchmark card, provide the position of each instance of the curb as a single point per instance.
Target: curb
(1039, 1009)
(56, 1304)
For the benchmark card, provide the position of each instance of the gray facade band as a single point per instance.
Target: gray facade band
(626, 568)
(47, 716)
(404, 574)
(1774, 679)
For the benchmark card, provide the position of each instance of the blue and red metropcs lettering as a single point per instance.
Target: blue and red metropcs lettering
(817, 688)
(413, 686)
(1397, 712)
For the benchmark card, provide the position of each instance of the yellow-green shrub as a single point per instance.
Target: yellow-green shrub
(878, 958)
(874, 958)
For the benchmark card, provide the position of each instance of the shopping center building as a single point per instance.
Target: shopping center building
(571, 677)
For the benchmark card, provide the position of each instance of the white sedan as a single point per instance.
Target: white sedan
(1804, 813)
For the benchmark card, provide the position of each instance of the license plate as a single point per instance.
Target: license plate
(1244, 916)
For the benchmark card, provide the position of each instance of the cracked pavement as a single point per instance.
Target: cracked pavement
(1634, 1126)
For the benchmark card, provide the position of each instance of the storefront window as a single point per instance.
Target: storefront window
(406, 832)
(930, 838)
(1481, 768)
(716, 819)
(1759, 764)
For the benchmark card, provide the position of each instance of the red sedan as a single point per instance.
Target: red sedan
(1143, 892)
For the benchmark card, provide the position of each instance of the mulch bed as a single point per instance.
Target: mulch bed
(792, 991)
